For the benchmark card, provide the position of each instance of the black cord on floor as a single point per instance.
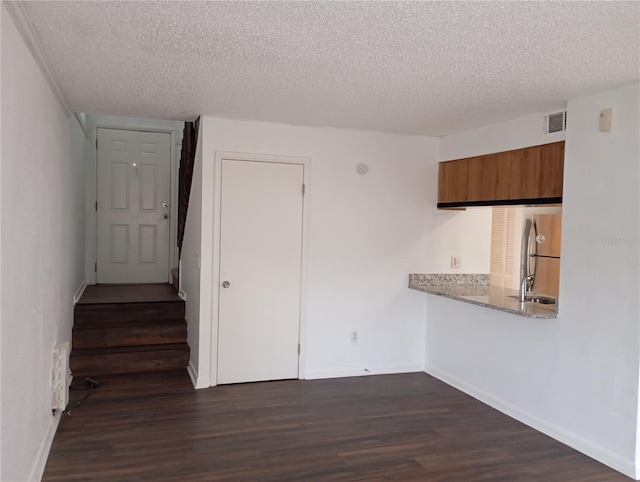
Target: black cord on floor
(79, 402)
(71, 387)
(91, 384)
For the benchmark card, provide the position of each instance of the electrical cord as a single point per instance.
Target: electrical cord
(79, 389)
(79, 402)
(91, 384)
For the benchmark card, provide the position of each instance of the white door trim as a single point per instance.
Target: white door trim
(215, 246)
(91, 192)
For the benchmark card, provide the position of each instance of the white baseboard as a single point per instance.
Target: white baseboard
(45, 447)
(78, 293)
(360, 372)
(587, 447)
(198, 383)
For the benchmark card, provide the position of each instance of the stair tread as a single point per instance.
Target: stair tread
(130, 306)
(92, 314)
(128, 349)
(99, 325)
(129, 293)
(126, 303)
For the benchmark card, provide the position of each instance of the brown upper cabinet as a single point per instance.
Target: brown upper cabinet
(532, 175)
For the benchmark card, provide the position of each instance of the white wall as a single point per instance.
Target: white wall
(601, 223)
(464, 234)
(42, 251)
(504, 136)
(2, 13)
(93, 122)
(190, 272)
(575, 378)
(366, 234)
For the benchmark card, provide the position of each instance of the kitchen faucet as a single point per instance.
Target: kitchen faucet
(525, 286)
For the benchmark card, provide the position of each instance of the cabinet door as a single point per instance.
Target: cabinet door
(499, 172)
(540, 172)
(527, 176)
(452, 181)
(478, 178)
(551, 170)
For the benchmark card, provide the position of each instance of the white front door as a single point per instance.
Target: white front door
(261, 260)
(133, 194)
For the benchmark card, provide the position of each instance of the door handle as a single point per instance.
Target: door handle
(165, 216)
(226, 284)
(165, 205)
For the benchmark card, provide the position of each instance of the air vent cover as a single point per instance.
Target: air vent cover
(555, 122)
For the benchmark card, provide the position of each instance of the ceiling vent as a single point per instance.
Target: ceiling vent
(555, 122)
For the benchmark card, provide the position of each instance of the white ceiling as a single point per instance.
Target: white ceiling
(430, 68)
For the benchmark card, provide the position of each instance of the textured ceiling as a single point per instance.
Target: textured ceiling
(429, 68)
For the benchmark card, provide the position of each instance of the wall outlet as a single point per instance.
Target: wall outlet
(456, 262)
(60, 376)
(354, 337)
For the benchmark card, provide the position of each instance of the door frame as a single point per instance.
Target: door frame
(91, 188)
(215, 246)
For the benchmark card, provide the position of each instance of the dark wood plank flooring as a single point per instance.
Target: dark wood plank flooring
(389, 427)
(128, 293)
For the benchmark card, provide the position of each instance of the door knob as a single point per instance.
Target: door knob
(165, 205)
(226, 284)
(165, 216)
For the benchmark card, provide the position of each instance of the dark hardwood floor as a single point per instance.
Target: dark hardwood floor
(389, 427)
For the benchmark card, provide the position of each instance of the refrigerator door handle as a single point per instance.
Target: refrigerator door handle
(532, 249)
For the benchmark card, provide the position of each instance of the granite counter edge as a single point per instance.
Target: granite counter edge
(465, 295)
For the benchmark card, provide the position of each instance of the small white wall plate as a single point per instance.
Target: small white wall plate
(362, 169)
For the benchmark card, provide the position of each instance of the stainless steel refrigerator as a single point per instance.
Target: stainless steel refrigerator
(541, 253)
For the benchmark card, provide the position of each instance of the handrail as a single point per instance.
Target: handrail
(187, 160)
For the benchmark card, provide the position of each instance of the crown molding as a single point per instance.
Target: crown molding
(23, 23)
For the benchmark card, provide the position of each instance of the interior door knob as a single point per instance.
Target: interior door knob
(226, 284)
(165, 216)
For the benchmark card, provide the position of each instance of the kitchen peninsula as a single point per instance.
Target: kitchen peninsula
(475, 289)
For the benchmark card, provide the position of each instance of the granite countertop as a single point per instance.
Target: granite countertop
(475, 289)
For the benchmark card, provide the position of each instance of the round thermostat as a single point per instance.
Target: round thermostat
(362, 168)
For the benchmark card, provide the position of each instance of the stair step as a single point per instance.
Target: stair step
(129, 328)
(97, 313)
(129, 359)
(130, 334)
(127, 349)
(128, 293)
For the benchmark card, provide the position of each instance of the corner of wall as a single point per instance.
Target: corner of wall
(198, 382)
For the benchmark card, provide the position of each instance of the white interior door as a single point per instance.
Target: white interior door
(133, 193)
(261, 259)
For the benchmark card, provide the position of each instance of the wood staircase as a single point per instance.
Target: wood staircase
(129, 329)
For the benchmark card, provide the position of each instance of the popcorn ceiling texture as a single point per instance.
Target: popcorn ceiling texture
(429, 68)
